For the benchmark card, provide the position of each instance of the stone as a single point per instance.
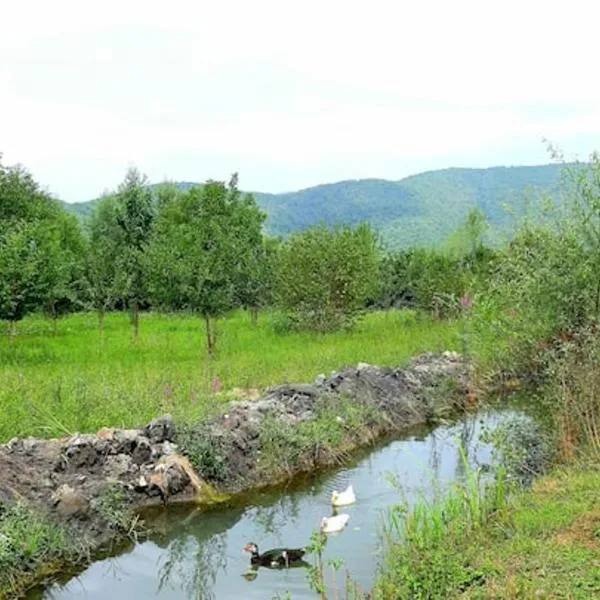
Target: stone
(160, 430)
(125, 440)
(119, 465)
(71, 503)
(81, 452)
(106, 433)
(320, 380)
(142, 452)
(168, 448)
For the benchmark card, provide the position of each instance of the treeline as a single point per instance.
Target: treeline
(204, 251)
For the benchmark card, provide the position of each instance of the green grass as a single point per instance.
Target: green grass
(31, 546)
(74, 380)
(542, 543)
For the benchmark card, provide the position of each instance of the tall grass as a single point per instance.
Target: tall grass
(427, 554)
(79, 379)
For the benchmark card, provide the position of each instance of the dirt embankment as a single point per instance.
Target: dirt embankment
(86, 481)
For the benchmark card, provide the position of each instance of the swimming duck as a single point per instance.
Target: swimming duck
(343, 498)
(335, 523)
(278, 557)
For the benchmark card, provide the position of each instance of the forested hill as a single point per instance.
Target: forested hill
(419, 210)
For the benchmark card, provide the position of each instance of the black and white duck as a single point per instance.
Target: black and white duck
(277, 557)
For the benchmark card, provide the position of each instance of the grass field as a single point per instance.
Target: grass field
(74, 379)
(540, 543)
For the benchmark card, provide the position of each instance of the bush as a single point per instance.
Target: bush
(324, 276)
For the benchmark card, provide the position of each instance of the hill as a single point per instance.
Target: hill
(419, 210)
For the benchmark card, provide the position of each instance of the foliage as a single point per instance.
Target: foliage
(571, 394)
(208, 455)
(40, 249)
(114, 508)
(428, 550)
(30, 544)
(324, 277)
(104, 242)
(134, 215)
(206, 246)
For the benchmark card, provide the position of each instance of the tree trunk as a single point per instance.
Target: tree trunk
(254, 315)
(210, 335)
(597, 304)
(101, 314)
(135, 320)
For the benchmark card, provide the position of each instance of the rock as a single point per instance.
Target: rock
(125, 440)
(81, 452)
(119, 465)
(105, 433)
(362, 366)
(168, 448)
(160, 430)
(71, 503)
(320, 380)
(142, 452)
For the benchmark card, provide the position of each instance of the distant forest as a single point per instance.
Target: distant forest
(421, 210)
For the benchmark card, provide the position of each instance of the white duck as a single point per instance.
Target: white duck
(335, 523)
(343, 498)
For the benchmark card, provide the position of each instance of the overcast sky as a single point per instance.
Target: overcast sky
(291, 94)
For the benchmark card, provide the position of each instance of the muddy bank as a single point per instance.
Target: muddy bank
(93, 484)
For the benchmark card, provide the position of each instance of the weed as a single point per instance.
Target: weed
(208, 454)
(114, 508)
(31, 545)
(427, 556)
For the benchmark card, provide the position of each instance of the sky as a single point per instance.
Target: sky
(291, 94)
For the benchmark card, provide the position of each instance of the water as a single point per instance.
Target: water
(199, 554)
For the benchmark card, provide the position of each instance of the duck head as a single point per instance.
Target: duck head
(252, 548)
(323, 522)
(334, 496)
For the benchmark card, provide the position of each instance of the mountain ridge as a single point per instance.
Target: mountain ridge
(420, 209)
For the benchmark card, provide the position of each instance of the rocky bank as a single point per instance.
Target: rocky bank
(77, 480)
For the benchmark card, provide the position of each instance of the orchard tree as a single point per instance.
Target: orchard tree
(19, 271)
(134, 215)
(201, 246)
(254, 285)
(40, 249)
(325, 276)
(104, 242)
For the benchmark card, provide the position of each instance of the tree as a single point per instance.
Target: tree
(19, 268)
(324, 276)
(202, 248)
(134, 215)
(104, 241)
(40, 246)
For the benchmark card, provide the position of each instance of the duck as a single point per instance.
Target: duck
(335, 523)
(343, 498)
(277, 557)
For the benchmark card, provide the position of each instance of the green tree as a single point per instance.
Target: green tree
(134, 215)
(203, 245)
(40, 249)
(104, 242)
(325, 276)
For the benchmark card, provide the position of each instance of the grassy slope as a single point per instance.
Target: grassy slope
(72, 381)
(548, 544)
(544, 543)
(419, 210)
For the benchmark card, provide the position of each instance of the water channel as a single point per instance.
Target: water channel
(199, 553)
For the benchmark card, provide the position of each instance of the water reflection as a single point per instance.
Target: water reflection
(199, 553)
